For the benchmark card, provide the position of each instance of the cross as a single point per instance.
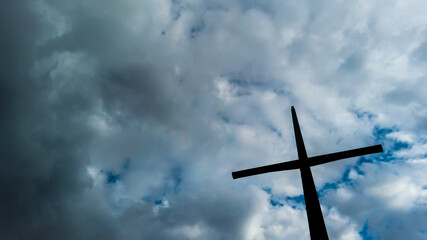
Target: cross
(316, 223)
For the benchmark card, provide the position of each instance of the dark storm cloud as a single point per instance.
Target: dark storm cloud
(52, 84)
(43, 142)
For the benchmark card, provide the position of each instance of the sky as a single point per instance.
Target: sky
(124, 119)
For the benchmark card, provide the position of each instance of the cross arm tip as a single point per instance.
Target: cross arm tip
(376, 148)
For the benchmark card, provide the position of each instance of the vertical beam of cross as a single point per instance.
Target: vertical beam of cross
(316, 223)
(303, 163)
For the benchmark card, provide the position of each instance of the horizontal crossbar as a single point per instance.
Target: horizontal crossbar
(317, 160)
(312, 161)
(290, 165)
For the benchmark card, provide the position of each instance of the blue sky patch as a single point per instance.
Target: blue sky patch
(112, 178)
(364, 232)
(398, 145)
(296, 201)
(326, 187)
(275, 203)
(380, 132)
(267, 190)
(279, 201)
(363, 114)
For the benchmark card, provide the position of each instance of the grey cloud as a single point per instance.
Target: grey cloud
(352, 63)
(52, 90)
(420, 53)
(39, 149)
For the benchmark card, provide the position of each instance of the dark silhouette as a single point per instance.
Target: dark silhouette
(316, 223)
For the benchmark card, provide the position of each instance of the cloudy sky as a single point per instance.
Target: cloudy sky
(124, 119)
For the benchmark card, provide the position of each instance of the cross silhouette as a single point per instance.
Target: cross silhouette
(316, 223)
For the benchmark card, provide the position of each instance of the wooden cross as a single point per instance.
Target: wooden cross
(316, 223)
